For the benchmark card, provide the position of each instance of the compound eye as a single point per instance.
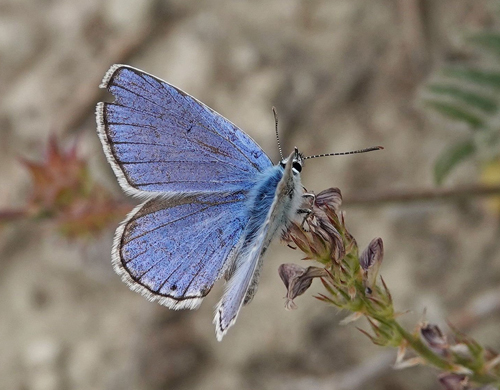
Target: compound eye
(297, 166)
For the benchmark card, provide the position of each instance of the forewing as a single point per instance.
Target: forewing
(173, 250)
(157, 138)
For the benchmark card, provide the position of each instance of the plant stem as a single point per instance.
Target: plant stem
(12, 215)
(421, 348)
(432, 194)
(437, 361)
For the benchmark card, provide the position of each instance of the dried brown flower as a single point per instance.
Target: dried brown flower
(297, 280)
(434, 338)
(370, 262)
(453, 381)
(319, 238)
(350, 281)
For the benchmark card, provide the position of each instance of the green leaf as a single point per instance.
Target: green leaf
(475, 76)
(473, 99)
(488, 40)
(455, 112)
(451, 157)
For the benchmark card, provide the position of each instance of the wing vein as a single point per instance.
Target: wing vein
(173, 221)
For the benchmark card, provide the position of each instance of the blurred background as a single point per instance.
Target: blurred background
(416, 76)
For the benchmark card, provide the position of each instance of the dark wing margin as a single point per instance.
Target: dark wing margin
(173, 250)
(160, 140)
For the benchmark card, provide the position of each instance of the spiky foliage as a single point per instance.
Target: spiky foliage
(64, 194)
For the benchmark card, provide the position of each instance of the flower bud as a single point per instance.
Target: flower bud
(330, 197)
(370, 262)
(297, 280)
(435, 339)
(453, 381)
(318, 236)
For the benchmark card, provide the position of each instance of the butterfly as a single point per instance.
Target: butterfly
(212, 199)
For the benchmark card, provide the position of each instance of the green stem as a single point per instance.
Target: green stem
(431, 358)
(421, 348)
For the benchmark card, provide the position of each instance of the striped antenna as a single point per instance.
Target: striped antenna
(345, 153)
(276, 127)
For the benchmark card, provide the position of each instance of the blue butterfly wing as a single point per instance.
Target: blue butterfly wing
(173, 250)
(158, 139)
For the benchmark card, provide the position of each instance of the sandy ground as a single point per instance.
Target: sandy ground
(343, 75)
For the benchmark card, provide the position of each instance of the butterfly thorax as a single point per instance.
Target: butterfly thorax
(261, 197)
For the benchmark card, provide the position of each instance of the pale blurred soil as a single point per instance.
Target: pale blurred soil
(343, 75)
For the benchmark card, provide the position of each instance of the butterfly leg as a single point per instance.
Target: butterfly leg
(309, 195)
(306, 211)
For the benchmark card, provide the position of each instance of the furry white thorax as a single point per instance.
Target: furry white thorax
(291, 205)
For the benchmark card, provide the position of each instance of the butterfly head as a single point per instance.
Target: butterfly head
(296, 160)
